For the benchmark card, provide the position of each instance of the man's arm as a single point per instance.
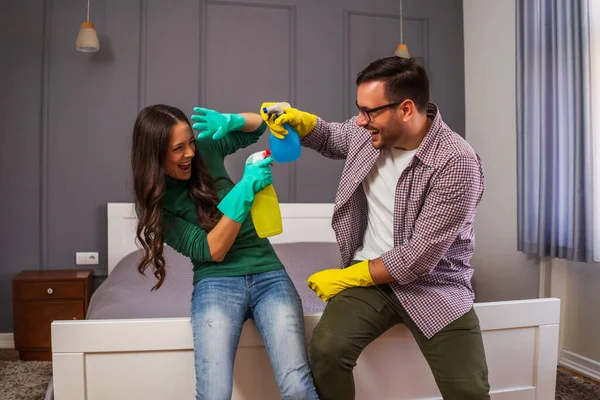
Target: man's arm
(379, 272)
(332, 139)
(449, 205)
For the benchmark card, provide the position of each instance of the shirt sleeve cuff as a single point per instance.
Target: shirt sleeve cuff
(314, 138)
(401, 273)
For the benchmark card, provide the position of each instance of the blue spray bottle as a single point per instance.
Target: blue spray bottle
(287, 149)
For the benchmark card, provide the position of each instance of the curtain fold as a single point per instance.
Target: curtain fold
(554, 136)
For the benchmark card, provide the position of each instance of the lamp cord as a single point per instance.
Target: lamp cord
(88, 12)
(401, 41)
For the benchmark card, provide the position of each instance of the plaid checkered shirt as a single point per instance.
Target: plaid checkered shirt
(434, 212)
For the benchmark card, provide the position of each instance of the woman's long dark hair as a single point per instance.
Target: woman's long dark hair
(148, 152)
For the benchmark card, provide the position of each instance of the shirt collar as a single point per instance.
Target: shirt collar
(173, 183)
(426, 150)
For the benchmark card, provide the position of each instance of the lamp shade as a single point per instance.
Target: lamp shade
(402, 51)
(87, 39)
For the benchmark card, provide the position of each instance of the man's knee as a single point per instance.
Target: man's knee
(474, 388)
(328, 350)
(325, 346)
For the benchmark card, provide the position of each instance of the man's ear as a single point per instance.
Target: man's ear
(408, 109)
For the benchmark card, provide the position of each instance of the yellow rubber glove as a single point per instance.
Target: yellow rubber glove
(329, 282)
(301, 121)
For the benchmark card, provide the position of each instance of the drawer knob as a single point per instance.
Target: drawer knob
(50, 291)
(74, 317)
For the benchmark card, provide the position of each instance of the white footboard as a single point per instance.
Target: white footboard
(153, 358)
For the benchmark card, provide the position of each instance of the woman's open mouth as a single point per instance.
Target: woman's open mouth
(185, 167)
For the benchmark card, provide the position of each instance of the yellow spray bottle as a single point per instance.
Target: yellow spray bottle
(265, 211)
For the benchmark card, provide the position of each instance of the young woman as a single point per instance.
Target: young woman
(185, 198)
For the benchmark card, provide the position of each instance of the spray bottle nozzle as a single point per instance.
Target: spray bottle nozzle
(277, 108)
(259, 155)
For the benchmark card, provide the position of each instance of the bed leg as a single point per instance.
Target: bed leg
(68, 370)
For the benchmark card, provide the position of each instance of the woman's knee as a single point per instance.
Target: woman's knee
(212, 391)
(298, 385)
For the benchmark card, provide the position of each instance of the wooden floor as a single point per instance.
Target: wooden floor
(585, 378)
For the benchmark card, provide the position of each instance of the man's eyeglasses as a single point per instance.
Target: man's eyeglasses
(366, 112)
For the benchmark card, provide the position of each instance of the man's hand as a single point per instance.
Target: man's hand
(330, 282)
(301, 121)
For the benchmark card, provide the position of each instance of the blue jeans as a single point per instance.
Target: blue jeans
(220, 306)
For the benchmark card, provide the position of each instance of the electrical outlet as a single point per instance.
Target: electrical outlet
(86, 258)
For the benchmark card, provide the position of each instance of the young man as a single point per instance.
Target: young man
(403, 218)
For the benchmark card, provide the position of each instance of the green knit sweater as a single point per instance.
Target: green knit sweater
(249, 254)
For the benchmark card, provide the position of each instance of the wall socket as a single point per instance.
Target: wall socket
(86, 258)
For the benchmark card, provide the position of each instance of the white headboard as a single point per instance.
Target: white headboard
(302, 222)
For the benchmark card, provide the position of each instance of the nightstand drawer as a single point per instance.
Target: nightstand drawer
(32, 330)
(49, 290)
(40, 297)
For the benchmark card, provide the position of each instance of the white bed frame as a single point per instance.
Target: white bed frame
(153, 358)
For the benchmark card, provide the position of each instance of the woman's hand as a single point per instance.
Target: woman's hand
(237, 203)
(258, 174)
(210, 123)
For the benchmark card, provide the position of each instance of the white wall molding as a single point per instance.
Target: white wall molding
(554, 282)
(7, 341)
(594, 23)
(580, 364)
(559, 283)
(544, 283)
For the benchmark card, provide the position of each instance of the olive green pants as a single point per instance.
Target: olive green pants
(357, 316)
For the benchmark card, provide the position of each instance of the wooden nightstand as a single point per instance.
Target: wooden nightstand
(40, 297)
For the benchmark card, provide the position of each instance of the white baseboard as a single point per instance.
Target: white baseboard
(6, 341)
(582, 365)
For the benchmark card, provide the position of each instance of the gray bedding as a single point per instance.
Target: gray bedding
(126, 293)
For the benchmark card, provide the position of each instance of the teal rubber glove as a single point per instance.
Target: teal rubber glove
(213, 124)
(237, 203)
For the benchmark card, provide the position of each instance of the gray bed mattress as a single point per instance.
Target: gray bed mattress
(126, 293)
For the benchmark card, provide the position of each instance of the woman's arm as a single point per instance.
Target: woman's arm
(221, 237)
(194, 242)
(227, 133)
(247, 135)
(252, 122)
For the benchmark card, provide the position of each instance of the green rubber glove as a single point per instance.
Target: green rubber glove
(237, 203)
(212, 123)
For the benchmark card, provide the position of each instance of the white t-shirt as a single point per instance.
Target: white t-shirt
(380, 189)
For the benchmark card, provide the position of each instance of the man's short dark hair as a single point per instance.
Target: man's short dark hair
(404, 79)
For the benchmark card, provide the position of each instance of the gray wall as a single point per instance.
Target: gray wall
(582, 307)
(501, 272)
(67, 116)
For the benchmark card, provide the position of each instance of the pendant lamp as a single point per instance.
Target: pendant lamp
(87, 39)
(402, 48)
